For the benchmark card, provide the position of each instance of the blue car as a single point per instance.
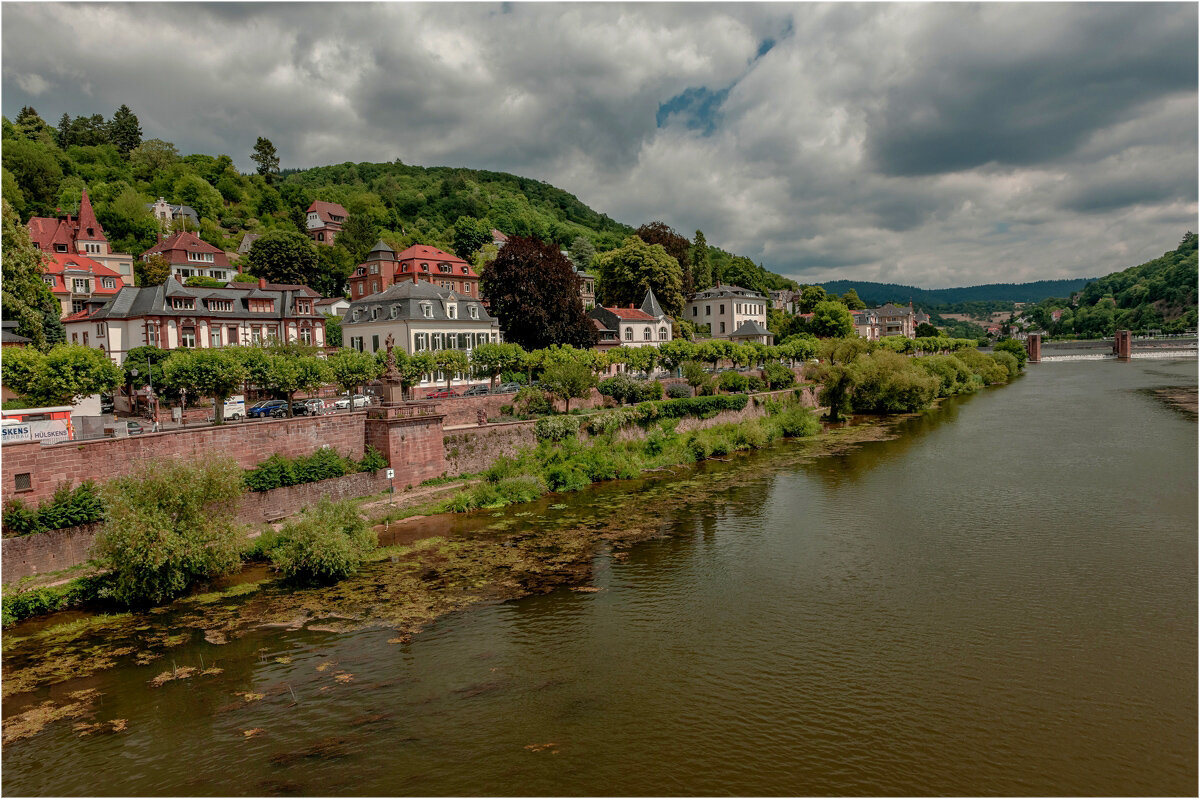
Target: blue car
(270, 408)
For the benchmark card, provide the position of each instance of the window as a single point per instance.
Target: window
(78, 305)
(445, 269)
(424, 267)
(374, 267)
(722, 307)
(220, 305)
(695, 310)
(81, 285)
(109, 283)
(464, 341)
(218, 274)
(662, 334)
(375, 313)
(74, 338)
(452, 311)
(629, 334)
(646, 334)
(722, 327)
(320, 237)
(187, 337)
(99, 330)
(303, 306)
(23, 481)
(152, 337)
(708, 310)
(375, 343)
(256, 336)
(91, 248)
(438, 341)
(473, 311)
(356, 343)
(427, 310)
(233, 334)
(85, 338)
(305, 335)
(374, 286)
(200, 257)
(214, 336)
(49, 281)
(183, 303)
(421, 342)
(60, 248)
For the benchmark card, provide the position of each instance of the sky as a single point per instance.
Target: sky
(933, 145)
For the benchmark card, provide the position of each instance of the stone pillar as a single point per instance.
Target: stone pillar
(1123, 345)
(1033, 346)
(410, 437)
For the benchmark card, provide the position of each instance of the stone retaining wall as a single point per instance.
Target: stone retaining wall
(56, 550)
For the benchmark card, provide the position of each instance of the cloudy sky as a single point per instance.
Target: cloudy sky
(929, 144)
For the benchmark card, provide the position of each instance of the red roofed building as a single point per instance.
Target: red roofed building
(80, 235)
(384, 268)
(189, 256)
(647, 326)
(78, 281)
(325, 221)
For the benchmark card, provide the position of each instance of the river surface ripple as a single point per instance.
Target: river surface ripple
(1001, 601)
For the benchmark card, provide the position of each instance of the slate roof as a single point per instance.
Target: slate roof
(381, 252)
(650, 305)
(893, 310)
(133, 302)
(727, 291)
(402, 301)
(178, 210)
(247, 241)
(750, 327)
(9, 335)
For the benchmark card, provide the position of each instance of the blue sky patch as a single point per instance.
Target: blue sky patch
(698, 108)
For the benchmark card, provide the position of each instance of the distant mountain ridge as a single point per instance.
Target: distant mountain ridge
(880, 293)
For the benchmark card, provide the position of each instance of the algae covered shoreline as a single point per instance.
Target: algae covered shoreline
(484, 556)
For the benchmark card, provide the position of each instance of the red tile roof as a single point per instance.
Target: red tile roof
(633, 314)
(89, 227)
(47, 231)
(176, 247)
(324, 210)
(433, 256)
(58, 262)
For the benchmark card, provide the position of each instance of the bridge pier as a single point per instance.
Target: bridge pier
(1033, 347)
(1123, 345)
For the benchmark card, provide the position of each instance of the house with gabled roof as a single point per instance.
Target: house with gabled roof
(173, 315)
(77, 281)
(82, 235)
(167, 214)
(191, 256)
(324, 221)
(647, 326)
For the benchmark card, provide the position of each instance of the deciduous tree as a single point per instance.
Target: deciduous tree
(676, 246)
(534, 292)
(628, 272)
(470, 235)
(154, 271)
(283, 256)
(569, 381)
(214, 373)
(24, 296)
(831, 320)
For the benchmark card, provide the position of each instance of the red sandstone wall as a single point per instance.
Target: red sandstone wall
(473, 449)
(62, 549)
(249, 443)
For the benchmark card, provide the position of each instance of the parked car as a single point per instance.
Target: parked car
(480, 390)
(507, 388)
(443, 394)
(106, 403)
(134, 428)
(359, 401)
(309, 407)
(272, 408)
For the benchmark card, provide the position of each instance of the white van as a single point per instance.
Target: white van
(235, 408)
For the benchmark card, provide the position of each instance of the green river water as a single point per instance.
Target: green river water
(1000, 600)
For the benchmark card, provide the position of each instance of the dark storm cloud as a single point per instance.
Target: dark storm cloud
(930, 144)
(977, 95)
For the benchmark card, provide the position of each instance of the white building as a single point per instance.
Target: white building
(725, 308)
(647, 326)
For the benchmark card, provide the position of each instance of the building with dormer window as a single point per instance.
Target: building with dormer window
(384, 267)
(173, 315)
(421, 317)
(67, 235)
(78, 282)
(191, 256)
(647, 326)
(324, 221)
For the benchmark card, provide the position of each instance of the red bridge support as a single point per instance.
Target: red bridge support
(1033, 346)
(1123, 345)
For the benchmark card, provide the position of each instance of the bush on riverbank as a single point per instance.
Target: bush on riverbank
(67, 508)
(20, 605)
(169, 524)
(323, 545)
(324, 464)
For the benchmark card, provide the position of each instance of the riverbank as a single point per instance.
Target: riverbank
(452, 562)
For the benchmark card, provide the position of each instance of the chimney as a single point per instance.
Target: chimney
(262, 282)
(414, 276)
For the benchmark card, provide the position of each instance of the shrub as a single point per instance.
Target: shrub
(372, 461)
(50, 599)
(650, 391)
(506, 410)
(274, 472)
(678, 391)
(1014, 348)
(323, 464)
(532, 401)
(556, 428)
(170, 523)
(703, 407)
(698, 378)
(1008, 361)
(732, 382)
(66, 508)
(20, 519)
(953, 374)
(756, 383)
(566, 476)
(621, 388)
(777, 375)
(610, 421)
(887, 382)
(325, 545)
(797, 422)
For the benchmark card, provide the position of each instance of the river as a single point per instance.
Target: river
(1001, 600)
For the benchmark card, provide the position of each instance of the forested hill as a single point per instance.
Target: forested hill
(880, 293)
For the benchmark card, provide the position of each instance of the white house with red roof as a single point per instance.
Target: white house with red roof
(78, 281)
(191, 256)
(384, 267)
(325, 221)
(80, 235)
(647, 326)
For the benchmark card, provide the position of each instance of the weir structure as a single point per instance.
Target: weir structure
(1123, 345)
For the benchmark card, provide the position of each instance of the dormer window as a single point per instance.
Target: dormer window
(303, 306)
(183, 303)
(110, 283)
(374, 313)
(427, 310)
(445, 268)
(60, 248)
(49, 281)
(395, 310)
(220, 305)
(452, 311)
(465, 271)
(473, 311)
(424, 267)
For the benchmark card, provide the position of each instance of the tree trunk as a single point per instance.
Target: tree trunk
(290, 394)
(218, 410)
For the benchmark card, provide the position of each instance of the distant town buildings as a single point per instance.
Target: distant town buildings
(80, 235)
(191, 256)
(726, 308)
(325, 220)
(887, 320)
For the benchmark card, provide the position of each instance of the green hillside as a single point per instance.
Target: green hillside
(992, 293)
